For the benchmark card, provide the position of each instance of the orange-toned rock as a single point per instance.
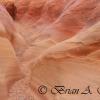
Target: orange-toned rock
(57, 42)
(8, 30)
(9, 68)
(63, 17)
(77, 16)
(7, 24)
(36, 50)
(68, 63)
(9, 5)
(29, 9)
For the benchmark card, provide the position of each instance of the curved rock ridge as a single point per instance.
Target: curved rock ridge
(9, 68)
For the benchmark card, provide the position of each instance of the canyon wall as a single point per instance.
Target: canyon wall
(49, 42)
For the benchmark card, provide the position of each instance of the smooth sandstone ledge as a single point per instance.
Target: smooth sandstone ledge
(9, 68)
(69, 63)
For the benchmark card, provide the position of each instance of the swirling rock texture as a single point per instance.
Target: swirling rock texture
(49, 42)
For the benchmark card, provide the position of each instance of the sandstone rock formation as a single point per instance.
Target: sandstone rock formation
(50, 42)
(9, 68)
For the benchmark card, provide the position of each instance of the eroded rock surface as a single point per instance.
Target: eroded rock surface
(49, 42)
